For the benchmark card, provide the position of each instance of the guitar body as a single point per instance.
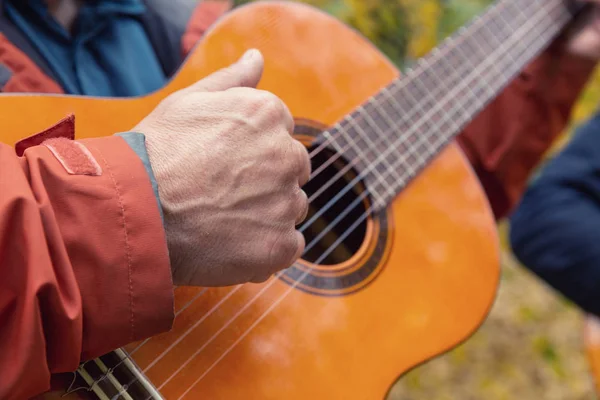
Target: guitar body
(429, 262)
(592, 346)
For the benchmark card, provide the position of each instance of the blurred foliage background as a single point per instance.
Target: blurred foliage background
(531, 345)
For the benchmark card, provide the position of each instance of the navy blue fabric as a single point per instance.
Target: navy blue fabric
(165, 22)
(108, 52)
(555, 230)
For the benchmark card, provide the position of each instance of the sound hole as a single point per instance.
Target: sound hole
(328, 221)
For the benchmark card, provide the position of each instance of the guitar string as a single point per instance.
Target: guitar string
(349, 228)
(189, 302)
(404, 156)
(125, 387)
(363, 218)
(261, 318)
(397, 85)
(182, 309)
(130, 353)
(365, 193)
(270, 308)
(206, 315)
(383, 136)
(429, 97)
(457, 73)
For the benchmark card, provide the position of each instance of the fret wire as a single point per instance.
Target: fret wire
(457, 125)
(384, 116)
(494, 65)
(482, 52)
(496, 68)
(472, 105)
(525, 54)
(351, 139)
(455, 61)
(359, 153)
(333, 141)
(365, 138)
(381, 132)
(514, 65)
(408, 168)
(260, 318)
(414, 109)
(496, 26)
(381, 124)
(447, 42)
(370, 208)
(243, 335)
(504, 60)
(462, 94)
(399, 111)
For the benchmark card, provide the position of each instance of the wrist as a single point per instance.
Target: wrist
(137, 142)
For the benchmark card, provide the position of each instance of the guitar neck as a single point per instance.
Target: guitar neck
(397, 132)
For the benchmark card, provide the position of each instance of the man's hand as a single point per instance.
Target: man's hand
(229, 176)
(584, 38)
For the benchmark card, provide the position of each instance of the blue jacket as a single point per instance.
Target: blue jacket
(555, 230)
(164, 24)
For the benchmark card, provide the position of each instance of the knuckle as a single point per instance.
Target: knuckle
(282, 149)
(302, 202)
(301, 161)
(285, 209)
(283, 249)
(289, 162)
(271, 105)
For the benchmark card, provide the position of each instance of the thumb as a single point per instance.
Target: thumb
(246, 72)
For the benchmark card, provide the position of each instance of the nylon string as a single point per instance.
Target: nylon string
(493, 56)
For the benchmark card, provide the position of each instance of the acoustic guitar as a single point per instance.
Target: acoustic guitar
(402, 257)
(592, 346)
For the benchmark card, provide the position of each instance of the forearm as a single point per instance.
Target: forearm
(83, 258)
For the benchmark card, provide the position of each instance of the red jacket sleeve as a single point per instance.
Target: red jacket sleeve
(84, 267)
(206, 13)
(507, 140)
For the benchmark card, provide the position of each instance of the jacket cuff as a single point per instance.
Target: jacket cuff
(131, 298)
(137, 142)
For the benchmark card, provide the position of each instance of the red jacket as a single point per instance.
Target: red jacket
(83, 258)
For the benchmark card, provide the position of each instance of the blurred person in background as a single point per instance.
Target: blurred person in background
(74, 296)
(555, 229)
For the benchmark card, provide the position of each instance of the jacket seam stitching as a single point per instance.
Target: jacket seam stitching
(127, 244)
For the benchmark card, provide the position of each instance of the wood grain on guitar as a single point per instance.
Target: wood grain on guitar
(410, 281)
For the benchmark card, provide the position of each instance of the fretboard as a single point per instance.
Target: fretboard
(393, 136)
